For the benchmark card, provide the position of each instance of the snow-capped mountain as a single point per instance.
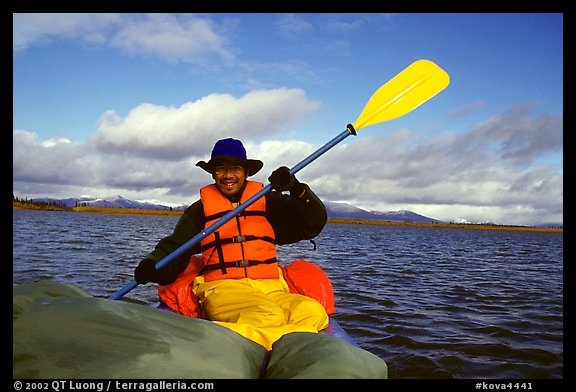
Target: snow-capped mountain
(405, 216)
(334, 209)
(110, 202)
(346, 211)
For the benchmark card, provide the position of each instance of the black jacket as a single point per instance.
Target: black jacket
(293, 219)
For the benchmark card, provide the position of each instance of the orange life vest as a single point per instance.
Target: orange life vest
(245, 246)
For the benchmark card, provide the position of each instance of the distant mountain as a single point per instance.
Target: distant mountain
(109, 202)
(346, 211)
(405, 216)
(334, 209)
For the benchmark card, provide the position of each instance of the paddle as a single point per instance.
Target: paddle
(415, 85)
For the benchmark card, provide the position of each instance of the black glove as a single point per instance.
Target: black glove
(146, 271)
(282, 180)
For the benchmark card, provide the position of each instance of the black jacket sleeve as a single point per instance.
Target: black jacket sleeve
(191, 222)
(300, 216)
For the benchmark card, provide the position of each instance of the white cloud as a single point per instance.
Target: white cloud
(517, 135)
(190, 130)
(172, 38)
(31, 29)
(151, 154)
(54, 142)
(478, 172)
(188, 39)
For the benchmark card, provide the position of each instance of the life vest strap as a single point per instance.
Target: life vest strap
(220, 214)
(220, 254)
(236, 239)
(239, 264)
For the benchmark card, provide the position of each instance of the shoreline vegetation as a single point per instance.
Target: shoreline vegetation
(19, 204)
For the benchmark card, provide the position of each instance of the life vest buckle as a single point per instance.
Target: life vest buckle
(239, 238)
(244, 263)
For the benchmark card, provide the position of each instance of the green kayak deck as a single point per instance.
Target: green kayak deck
(60, 331)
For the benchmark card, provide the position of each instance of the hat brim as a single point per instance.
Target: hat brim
(253, 166)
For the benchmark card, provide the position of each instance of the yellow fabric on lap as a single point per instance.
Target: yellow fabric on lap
(261, 310)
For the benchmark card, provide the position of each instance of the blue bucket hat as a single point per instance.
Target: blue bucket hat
(231, 150)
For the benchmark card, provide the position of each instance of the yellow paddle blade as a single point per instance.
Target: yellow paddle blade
(406, 91)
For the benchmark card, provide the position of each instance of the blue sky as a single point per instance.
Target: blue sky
(107, 104)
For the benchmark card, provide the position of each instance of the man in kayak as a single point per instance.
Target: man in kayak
(240, 284)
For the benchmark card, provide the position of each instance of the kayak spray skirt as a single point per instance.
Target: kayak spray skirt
(261, 310)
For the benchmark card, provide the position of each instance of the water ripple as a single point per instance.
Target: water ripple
(433, 303)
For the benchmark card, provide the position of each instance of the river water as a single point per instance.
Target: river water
(431, 302)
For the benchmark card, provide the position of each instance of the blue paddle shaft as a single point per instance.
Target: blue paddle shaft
(231, 214)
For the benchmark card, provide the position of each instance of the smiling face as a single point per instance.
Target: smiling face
(229, 178)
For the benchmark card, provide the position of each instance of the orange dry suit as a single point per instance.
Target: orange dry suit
(245, 246)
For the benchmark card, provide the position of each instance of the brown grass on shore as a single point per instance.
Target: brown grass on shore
(97, 210)
(132, 211)
(446, 225)
(39, 206)
(135, 211)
